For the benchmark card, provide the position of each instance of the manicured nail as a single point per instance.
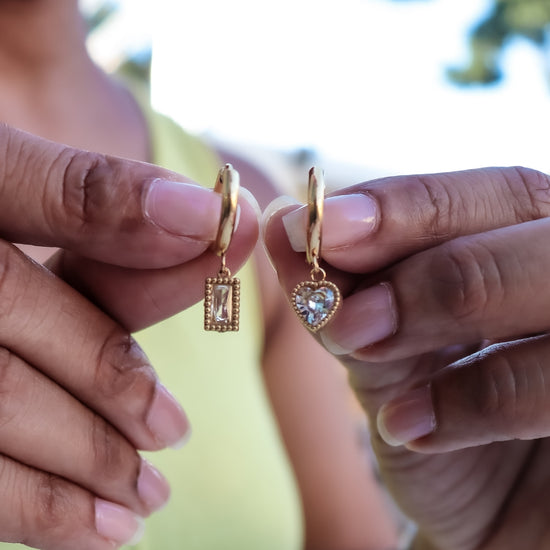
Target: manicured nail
(152, 487)
(347, 219)
(183, 208)
(274, 206)
(366, 317)
(117, 524)
(167, 420)
(407, 418)
(245, 194)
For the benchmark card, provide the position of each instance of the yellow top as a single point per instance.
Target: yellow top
(232, 485)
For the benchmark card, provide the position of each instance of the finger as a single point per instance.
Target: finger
(377, 383)
(110, 209)
(291, 266)
(74, 443)
(85, 352)
(489, 286)
(498, 394)
(48, 512)
(373, 224)
(138, 298)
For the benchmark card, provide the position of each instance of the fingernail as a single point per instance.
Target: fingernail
(245, 194)
(273, 207)
(366, 317)
(117, 524)
(347, 219)
(407, 418)
(167, 420)
(183, 208)
(152, 487)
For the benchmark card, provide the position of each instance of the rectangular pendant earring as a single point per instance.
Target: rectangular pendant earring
(222, 293)
(315, 301)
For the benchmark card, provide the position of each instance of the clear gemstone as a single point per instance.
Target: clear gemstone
(222, 301)
(315, 305)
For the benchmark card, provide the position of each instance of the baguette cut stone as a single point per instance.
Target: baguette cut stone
(222, 300)
(222, 303)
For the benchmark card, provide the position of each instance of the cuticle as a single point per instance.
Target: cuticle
(146, 191)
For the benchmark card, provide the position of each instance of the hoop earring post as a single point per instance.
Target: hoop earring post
(315, 203)
(222, 293)
(316, 301)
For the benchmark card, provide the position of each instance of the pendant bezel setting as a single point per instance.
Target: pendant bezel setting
(231, 305)
(315, 286)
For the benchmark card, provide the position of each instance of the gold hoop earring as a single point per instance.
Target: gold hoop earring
(316, 301)
(222, 293)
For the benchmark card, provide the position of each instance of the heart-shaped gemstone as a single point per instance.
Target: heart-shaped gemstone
(316, 302)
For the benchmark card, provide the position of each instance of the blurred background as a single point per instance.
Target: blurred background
(363, 88)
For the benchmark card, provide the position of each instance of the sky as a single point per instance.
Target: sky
(359, 81)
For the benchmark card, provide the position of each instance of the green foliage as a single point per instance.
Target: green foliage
(505, 21)
(100, 15)
(136, 66)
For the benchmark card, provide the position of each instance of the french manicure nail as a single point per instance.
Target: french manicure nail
(366, 317)
(271, 209)
(407, 418)
(245, 194)
(152, 487)
(117, 524)
(282, 201)
(167, 420)
(183, 208)
(347, 219)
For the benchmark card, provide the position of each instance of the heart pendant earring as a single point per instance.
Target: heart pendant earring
(222, 293)
(315, 301)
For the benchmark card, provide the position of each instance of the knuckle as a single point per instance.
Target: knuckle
(10, 377)
(5, 152)
(91, 184)
(122, 367)
(500, 391)
(530, 192)
(52, 504)
(41, 509)
(14, 158)
(83, 186)
(468, 280)
(13, 280)
(438, 205)
(109, 452)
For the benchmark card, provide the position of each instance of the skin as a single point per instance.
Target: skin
(51, 88)
(464, 259)
(87, 414)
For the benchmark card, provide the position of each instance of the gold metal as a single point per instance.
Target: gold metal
(307, 294)
(227, 183)
(222, 293)
(224, 318)
(316, 301)
(315, 201)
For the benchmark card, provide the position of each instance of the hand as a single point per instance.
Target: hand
(78, 395)
(444, 329)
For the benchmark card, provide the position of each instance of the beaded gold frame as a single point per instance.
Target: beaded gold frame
(222, 304)
(315, 303)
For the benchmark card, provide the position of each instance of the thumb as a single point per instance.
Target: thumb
(117, 211)
(498, 394)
